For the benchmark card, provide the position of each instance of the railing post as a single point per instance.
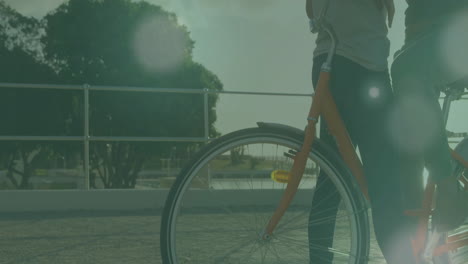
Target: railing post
(206, 114)
(207, 127)
(86, 138)
(86, 135)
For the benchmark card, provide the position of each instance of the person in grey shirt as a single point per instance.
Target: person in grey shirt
(434, 55)
(361, 29)
(360, 86)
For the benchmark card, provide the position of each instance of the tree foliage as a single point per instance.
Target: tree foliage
(107, 43)
(26, 112)
(125, 43)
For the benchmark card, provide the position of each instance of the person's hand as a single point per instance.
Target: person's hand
(390, 6)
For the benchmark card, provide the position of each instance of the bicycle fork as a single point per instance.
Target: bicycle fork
(322, 105)
(429, 243)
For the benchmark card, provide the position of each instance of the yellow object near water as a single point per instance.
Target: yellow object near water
(280, 176)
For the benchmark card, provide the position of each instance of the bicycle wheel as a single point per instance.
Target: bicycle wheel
(223, 199)
(459, 256)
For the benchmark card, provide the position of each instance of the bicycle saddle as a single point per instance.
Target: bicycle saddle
(460, 84)
(456, 88)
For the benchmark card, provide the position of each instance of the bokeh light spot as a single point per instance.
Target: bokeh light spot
(374, 92)
(453, 45)
(159, 46)
(411, 125)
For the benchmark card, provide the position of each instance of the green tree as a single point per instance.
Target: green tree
(26, 112)
(237, 156)
(125, 43)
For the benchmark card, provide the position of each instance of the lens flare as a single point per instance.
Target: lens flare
(453, 44)
(374, 92)
(373, 96)
(425, 176)
(411, 125)
(158, 45)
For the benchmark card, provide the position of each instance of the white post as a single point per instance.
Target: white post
(86, 135)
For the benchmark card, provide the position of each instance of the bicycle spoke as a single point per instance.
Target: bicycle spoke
(249, 254)
(315, 221)
(325, 249)
(274, 251)
(234, 250)
(294, 247)
(227, 231)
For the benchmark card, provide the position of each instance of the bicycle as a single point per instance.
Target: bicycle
(230, 203)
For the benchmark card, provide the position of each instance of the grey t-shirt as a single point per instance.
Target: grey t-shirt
(361, 29)
(422, 15)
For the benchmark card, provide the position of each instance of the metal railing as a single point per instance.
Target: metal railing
(87, 138)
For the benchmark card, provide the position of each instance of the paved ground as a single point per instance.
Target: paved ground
(79, 238)
(82, 238)
(86, 238)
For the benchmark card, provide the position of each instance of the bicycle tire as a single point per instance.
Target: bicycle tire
(459, 256)
(444, 258)
(351, 198)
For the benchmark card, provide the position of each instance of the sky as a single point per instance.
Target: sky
(255, 46)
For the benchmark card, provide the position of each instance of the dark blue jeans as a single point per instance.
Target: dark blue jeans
(423, 67)
(364, 99)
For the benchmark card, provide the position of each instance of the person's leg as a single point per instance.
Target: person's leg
(362, 101)
(325, 204)
(390, 194)
(325, 200)
(416, 74)
(418, 117)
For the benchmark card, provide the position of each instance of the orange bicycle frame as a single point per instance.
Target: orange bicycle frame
(324, 106)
